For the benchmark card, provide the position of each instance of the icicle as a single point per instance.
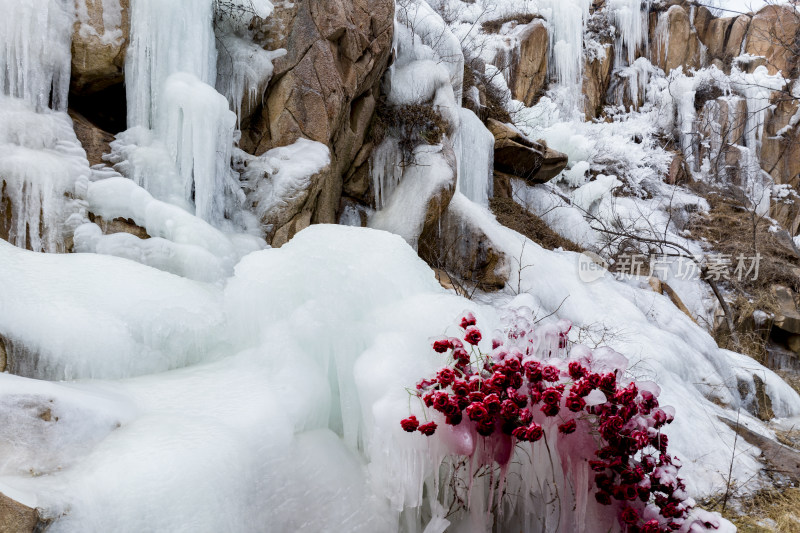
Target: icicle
(35, 55)
(41, 162)
(475, 149)
(197, 126)
(632, 24)
(167, 36)
(567, 21)
(386, 169)
(243, 71)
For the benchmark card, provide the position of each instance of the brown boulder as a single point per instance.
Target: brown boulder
(772, 34)
(780, 154)
(18, 518)
(787, 318)
(119, 225)
(675, 41)
(459, 245)
(529, 74)
(678, 174)
(98, 53)
(297, 224)
(518, 156)
(714, 36)
(552, 165)
(513, 153)
(738, 31)
(596, 79)
(326, 87)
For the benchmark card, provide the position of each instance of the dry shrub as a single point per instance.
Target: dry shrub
(730, 229)
(412, 124)
(494, 103)
(512, 215)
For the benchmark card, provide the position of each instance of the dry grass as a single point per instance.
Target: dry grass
(767, 511)
(732, 230)
(512, 215)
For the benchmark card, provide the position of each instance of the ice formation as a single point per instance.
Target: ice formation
(167, 36)
(475, 149)
(202, 364)
(35, 60)
(41, 160)
(631, 20)
(198, 129)
(567, 22)
(243, 71)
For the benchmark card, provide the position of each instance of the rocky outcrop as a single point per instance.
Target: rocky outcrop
(94, 140)
(675, 42)
(596, 80)
(98, 52)
(678, 173)
(529, 74)
(326, 87)
(459, 245)
(780, 156)
(773, 35)
(722, 124)
(788, 317)
(119, 225)
(518, 156)
(17, 518)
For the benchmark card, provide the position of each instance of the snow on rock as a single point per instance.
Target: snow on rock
(181, 242)
(279, 182)
(42, 171)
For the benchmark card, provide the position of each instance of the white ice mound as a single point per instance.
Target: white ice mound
(259, 426)
(293, 382)
(91, 316)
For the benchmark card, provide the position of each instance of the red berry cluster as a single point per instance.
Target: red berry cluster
(507, 390)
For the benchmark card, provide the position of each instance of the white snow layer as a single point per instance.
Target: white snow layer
(294, 382)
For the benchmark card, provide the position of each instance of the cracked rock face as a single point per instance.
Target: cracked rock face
(326, 87)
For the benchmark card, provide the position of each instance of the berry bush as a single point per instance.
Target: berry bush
(520, 392)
